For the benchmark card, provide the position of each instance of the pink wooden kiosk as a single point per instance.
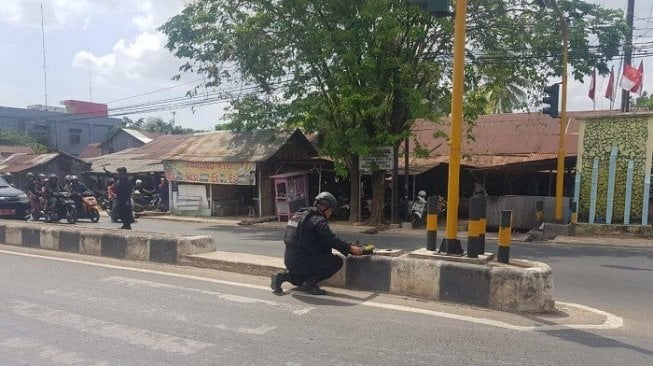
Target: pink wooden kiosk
(291, 192)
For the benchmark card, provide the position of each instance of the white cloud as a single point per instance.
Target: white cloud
(57, 14)
(144, 58)
(145, 15)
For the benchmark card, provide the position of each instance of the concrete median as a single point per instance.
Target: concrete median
(523, 286)
(131, 245)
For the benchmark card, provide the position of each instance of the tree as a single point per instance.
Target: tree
(12, 137)
(644, 102)
(153, 124)
(360, 72)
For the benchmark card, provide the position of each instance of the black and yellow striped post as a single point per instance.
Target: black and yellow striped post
(483, 225)
(432, 223)
(574, 212)
(505, 233)
(474, 228)
(539, 213)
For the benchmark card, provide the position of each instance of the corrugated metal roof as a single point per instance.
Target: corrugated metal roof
(147, 158)
(499, 139)
(139, 135)
(226, 146)
(15, 149)
(90, 151)
(20, 162)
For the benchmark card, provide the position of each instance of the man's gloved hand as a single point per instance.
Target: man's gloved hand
(355, 249)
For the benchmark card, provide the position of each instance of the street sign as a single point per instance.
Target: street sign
(380, 159)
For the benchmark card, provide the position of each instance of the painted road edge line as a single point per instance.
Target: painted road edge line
(612, 321)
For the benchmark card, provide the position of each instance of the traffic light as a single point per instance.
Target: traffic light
(552, 97)
(437, 8)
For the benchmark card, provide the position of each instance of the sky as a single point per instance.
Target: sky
(109, 51)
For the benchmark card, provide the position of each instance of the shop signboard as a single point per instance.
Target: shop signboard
(236, 173)
(380, 159)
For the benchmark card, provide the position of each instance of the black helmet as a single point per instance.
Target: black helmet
(7, 175)
(74, 178)
(52, 176)
(326, 199)
(29, 175)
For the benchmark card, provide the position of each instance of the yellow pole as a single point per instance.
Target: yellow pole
(450, 243)
(560, 167)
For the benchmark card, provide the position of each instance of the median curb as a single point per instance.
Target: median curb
(134, 245)
(523, 286)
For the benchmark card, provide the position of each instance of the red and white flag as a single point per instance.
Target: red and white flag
(609, 92)
(638, 87)
(592, 92)
(631, 79)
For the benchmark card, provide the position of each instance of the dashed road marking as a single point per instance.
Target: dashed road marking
(297, 310)
(102, 328)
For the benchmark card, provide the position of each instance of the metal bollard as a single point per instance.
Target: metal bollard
(432, 223)
(505, 236)
(574, 212)
(539, 213)
(483, 225)
(474, 228)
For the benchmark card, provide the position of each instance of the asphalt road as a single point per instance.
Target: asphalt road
(67, 309)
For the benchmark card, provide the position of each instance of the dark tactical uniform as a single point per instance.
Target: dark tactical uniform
(124, 206)
(309, 241)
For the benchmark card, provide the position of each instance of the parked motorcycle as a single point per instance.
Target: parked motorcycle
(88, 207)
(142, 202)
(64, 208)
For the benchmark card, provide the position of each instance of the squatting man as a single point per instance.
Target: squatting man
(309, 241)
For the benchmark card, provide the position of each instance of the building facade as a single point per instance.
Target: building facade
(65, 132)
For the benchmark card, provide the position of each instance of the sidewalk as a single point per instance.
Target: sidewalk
(340, 226)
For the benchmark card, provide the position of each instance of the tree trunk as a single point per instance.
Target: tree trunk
(354, 196)
(378, 193)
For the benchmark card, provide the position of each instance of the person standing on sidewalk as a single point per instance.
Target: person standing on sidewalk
(309, 241)
(124, 199)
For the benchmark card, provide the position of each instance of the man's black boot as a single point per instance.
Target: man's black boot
(311, 287)
(277, 280)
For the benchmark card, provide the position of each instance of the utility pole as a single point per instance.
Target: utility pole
(560, 167)
(450, 244)
(628, 53)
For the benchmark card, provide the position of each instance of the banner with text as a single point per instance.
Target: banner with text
(240, 173)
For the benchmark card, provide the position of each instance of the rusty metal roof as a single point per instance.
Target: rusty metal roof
(498, 139)
(20, 162)
(90, 151)
(147, 158)
(226, 146)
(14, 149)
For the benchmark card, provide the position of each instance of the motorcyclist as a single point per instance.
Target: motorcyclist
(9, 179)
(141, 194)
(52, 191)
(33, 191)
(77, 188)
(66, 183)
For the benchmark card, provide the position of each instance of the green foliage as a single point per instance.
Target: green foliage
(152, 124)
(12, 137)
(361, 71)
(644, 102)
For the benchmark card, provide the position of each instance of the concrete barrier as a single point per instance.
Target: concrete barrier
(521, 286)
(131, 245)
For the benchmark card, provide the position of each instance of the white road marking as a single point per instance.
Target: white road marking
(297, 310)
(260, 330)
(49, 353)
(612, 321)
(132, 335)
